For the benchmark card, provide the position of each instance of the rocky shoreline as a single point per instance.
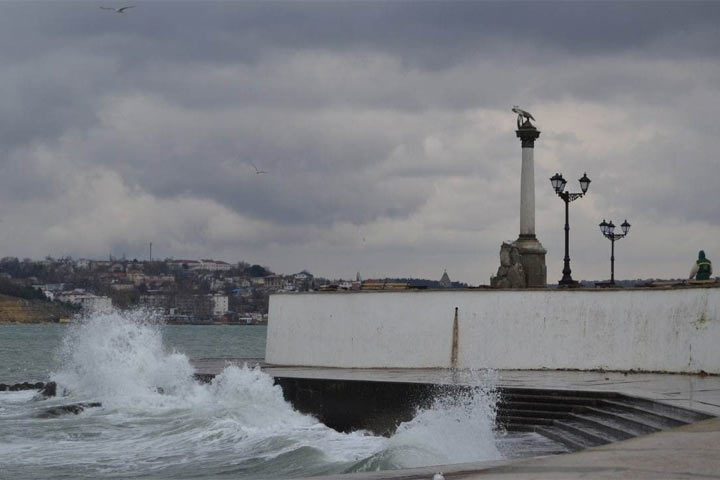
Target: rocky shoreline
(16, 387)
(45, 391)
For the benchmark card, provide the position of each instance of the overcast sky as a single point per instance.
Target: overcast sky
(385, 129)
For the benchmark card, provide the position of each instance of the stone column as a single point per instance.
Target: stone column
(531, 250)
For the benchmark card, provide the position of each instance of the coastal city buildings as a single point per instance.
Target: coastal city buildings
(87, 301)
(175, 290)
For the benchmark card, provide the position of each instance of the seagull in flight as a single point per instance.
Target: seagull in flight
(118, 10)
(257, 171)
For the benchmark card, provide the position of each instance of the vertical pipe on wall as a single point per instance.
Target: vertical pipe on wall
(454, 353)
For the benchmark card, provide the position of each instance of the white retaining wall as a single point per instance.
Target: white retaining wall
(650, 330)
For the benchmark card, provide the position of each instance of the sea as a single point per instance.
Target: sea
(155, 421)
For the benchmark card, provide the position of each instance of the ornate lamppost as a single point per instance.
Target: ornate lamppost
(558, 184)
(608, 229)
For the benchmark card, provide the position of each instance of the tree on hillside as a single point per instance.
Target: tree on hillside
(257, 271)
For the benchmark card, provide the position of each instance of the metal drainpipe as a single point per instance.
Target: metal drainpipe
(454, 353)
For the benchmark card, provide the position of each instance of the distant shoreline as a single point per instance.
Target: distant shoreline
(4, 322)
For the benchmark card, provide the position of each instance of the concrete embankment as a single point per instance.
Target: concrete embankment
(572, 418)
(652, 330)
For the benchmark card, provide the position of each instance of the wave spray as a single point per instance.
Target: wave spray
(157, 421)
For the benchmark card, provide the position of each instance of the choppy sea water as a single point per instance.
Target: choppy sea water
(156, 421)
(28, 353)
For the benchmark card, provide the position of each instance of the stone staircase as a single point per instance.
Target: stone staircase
(581, 419)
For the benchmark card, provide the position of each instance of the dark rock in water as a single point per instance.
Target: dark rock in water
(49, 390)
(204, 377)
(74, 408)
(21, 386)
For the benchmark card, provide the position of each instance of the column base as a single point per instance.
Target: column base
(532, 257)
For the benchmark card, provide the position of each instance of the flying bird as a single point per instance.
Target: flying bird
(438, 476)
(118, 10)
(257, 171)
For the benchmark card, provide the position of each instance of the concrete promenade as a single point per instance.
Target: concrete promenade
(691, 451)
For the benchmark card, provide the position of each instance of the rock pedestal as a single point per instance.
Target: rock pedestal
(511, 273)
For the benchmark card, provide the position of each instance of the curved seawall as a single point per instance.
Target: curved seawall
(664, 330)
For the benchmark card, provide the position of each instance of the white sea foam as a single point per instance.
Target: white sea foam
(156, 420)
(120, 358)
(458, 427)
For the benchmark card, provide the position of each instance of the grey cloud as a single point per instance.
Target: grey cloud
(429, 34)
(388, 117)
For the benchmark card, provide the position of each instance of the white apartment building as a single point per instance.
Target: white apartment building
(88, 301)
(220, 305)
(214, 266)
(206, 264)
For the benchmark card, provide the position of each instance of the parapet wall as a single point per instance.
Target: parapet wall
(673, 330)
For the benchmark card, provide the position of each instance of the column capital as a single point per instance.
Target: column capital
(527, 133)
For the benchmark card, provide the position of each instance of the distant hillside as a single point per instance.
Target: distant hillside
(425, 283)
(20, 310)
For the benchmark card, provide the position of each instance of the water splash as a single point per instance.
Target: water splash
(458, 427)
(157, 421)
(118, 357)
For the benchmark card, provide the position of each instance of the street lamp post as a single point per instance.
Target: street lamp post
(558, 184)
(608, 229)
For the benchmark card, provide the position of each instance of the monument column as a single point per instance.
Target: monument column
(531, 250)
(528, 134)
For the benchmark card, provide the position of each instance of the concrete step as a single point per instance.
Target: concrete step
(557, 393)
(543, 406)
(518, 427)
(591, 435)
(634, 422)
(570, 440)
(532, 413)
(506, 419)
(668, 411)
(601, 424)
(598, 424)
(582, 419)
(554, 399)
(659, 416)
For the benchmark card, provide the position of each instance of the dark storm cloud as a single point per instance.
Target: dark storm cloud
(383, 116)
(429, 34)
